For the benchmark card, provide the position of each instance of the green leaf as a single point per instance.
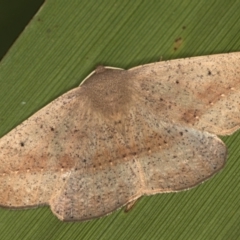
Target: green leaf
(62, 44)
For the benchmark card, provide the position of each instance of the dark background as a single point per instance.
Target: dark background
(14, 16)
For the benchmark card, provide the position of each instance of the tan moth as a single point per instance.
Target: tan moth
(122, 134)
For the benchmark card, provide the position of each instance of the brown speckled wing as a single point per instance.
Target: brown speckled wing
(123, 134)
(199, 92)
(68, 157)
(36, 158)
(174, 157)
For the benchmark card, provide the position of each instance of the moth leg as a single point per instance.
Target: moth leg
(130, 205)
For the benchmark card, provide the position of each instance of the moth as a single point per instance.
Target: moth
(123, 134)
